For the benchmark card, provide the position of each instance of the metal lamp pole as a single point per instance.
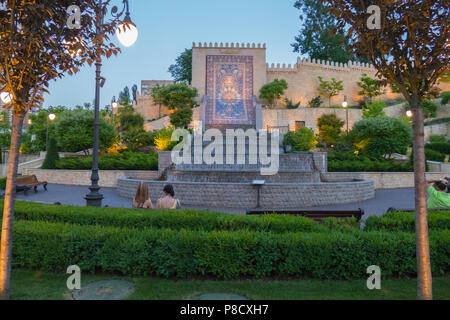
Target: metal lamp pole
(94, 198)
(345, 105)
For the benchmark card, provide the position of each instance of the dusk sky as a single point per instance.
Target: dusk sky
(166, 28)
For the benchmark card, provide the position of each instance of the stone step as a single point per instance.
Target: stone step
(243, 177)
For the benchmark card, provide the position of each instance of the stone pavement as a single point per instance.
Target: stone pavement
(74, 195)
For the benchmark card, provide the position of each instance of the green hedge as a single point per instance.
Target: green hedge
(176, 220)
(348, 162)
(221, 254)
(439, 147)
(123, 161)
(406, 221)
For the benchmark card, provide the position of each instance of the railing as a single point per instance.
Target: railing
(281, 129)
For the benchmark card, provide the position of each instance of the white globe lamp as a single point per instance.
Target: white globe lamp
(6, 97)
(127, 33)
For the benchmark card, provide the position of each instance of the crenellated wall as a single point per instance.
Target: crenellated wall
(303, 82)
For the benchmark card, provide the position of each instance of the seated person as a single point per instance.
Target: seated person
(439, 198)
(169, 201)
(142, 199)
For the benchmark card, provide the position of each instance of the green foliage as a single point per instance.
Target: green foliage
(52, 155)
(377, 137)
(75, 131)
(330, 128)
(349, 162)
(273, 91)
(432, 155)
(163, 140)
(437, 121)
(182, 69)
(406, 221)
(175, 96)
(130, 120)
(303, 140)
(182, 117)
(443, 148)
(330, 89)
(445, 97)
(221, 254)
(370, 87)
(2, 183)
(38, 128)
(123, 161)
(291, 105)
(5, 130)
(373, 110)
(124, 97)
(442, 138)
(316, 102)
(317, 38)
(430, 108)
(135, 139)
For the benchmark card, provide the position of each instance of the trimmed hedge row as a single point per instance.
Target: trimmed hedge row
(406, 221)
(222, 254)
(176, 220)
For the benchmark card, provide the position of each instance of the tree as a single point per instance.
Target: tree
(52, 155)
(316, 37)
(75, 128)
(129, 120)
(181, 71)
(36, 47)
(124, 97)
(175, 96)
(157, 93)
(410, 50)
(181, 118)
(330, 128)
(273, 91)
(134, 90)
(291, 105)
(370, 87)
(330, 89)
(373, 110)
(38, 127)
(430, 108)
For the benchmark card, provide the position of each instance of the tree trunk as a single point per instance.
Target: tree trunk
(8, 211)
(424, 277)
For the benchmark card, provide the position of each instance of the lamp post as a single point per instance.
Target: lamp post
(345, 105)
(127, 35)
(52, 117)
(114, 106)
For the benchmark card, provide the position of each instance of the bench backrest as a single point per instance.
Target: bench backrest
(27, 180)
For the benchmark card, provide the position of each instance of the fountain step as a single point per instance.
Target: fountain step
(243, 177)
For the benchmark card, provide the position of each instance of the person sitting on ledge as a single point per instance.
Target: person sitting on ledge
(169, 201)
(142, 199)
(438, 196)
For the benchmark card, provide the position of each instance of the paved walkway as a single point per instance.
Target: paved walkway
(74, 195)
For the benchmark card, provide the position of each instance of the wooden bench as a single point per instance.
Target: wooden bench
(317, 215)
(26, 183)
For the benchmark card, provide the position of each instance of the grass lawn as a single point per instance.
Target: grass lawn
(36, 285)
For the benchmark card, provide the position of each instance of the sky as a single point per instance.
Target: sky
(167, 27)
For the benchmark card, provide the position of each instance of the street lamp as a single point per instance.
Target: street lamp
(52, 117)
(6, 97)
(409, 114)
(114, 106)
(345, 105)
(127, 35)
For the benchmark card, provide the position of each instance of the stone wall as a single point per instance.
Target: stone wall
(108, 179)
(384, 180)
(241, 195)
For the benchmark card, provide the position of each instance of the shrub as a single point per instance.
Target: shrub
(316, 102)
(2, 183)
(163, 140)
(123, 161)
(406, 221)
(182, 117)
(137, 138)
(273, 91)
(432, 155)
(445, 97)
(52, 247)
(302, 140)
(160, 219)
(291, 105)
(443, 148)
(348, 162)
(430, 108)
(442, 138)
(373, 110)
(330, 128)
(377, 137)
(52, 156)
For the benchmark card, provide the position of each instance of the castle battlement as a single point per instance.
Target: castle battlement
(228, 45)
(338, 66)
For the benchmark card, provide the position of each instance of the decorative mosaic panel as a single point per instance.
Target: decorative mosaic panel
(229, 90)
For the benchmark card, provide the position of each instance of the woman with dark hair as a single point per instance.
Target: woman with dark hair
(169, 201)
(142, 199)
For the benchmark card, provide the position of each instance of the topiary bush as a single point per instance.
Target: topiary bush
(52, 156)
(445, 97)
